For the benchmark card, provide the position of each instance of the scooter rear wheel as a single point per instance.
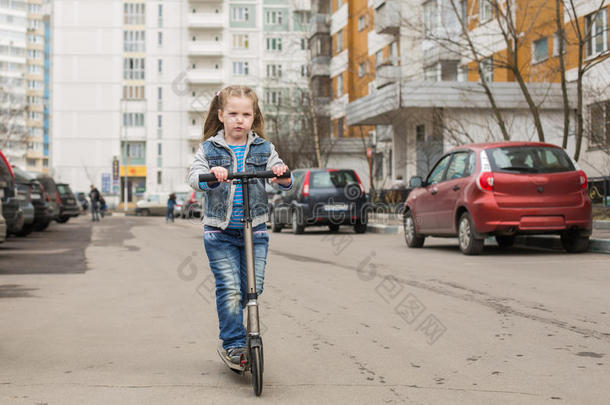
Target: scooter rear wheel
(256, 367)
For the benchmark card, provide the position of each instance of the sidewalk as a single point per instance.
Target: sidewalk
(600, 239)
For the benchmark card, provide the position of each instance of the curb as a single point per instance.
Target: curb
(544, 242)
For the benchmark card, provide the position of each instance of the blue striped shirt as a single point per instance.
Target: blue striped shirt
(238, 198)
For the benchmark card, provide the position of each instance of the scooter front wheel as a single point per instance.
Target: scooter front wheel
(256, 367)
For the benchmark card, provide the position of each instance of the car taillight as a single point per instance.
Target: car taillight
(57, 198)
(583, 179)
(306, 185)
(486, 181)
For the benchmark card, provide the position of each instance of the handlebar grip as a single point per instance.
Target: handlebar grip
(268, 174)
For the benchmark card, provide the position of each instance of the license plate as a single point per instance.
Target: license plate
(70, 201)
(335, 207)
(35, 196)
(21, 197)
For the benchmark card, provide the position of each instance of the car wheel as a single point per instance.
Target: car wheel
(297, 226)
(360, 227)
(469, 243)
(413, 239)
(25, 230)
(63, 220)
(505, 241)
(333, 227)
(42, 226)
(146, 212)
(574, 243)
(275, 225)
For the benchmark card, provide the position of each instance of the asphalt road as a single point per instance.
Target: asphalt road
(122, 311)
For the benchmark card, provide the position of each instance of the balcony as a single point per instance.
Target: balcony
(322, 106)
(387, 17)
(205, 20)
(320, 66)
(386, 74)
(195, 132)
(205, 76)
(205, 48)
(198, 104)
(320, 24)
(338, 106)
(302, 5)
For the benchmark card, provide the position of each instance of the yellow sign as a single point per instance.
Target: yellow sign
(134, 171)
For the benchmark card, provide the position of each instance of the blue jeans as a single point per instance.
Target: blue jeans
(227, 256)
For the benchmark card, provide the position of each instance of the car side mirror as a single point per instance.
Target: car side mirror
(416, 181)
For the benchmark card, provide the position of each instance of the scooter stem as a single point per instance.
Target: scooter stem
(252, 325)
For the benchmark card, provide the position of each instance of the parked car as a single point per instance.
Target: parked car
(68, 207)
(192, 207)
(2, 225)
(42, 210)
(11, 205)
(331, 197)
(23, 195)
(52, 198)
(500, 189)
(82, 200)
(180, 198)
(152, 204)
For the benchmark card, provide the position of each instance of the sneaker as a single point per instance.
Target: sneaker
(234, 354)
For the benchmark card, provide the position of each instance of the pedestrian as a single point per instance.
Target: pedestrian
(94, 196)
(234, 140)
(171, 203)
(103, 206)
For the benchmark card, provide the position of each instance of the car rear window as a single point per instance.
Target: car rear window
(63, 189)
(48, 184)
(529, 159)
(336, 179)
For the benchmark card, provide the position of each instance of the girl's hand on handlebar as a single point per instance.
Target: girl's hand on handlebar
(278, 170)
(221, 174)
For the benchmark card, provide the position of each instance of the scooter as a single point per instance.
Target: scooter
(253, 359)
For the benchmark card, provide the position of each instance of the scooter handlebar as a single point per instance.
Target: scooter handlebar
(267, 174)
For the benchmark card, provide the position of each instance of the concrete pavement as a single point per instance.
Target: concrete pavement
(347, 318)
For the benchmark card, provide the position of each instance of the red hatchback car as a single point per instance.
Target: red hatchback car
(502, 189)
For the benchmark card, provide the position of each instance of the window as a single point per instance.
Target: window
(302, 17)
(361, 23)
(160, 93)
(599, 124)
(540, 50)
(556, 44)
(159, 149)
(460, 166)
(394, 53)
(160, 66)
(487, 69)
(240, 14)
(339, 41)
(160, 15)
(34, 54)
(159, 177)
(274, 44)
(303, 44)
(436, 175)
(33, 8)
(597, 27)
(273, 17)
(339, 91)
(240, 41)
(274, 70)
(133, 92)
(485, 11)
(160, 38)
(379, 57)
(241, 69)
(304, 71)
(35, 39)
(273, 97)
(159, 121)
(135, 150)
(134, 13)
(464, 12)
(133, 69)
(34, 24)
(133, 119)
(361, 69)
(430, 18)
(340, 127)
(134, 41)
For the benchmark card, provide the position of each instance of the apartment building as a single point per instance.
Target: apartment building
(133, 79)
(430, 97)
(13, 24)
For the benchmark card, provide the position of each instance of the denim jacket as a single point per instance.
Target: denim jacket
(260, 155)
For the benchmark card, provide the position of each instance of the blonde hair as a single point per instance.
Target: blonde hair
(213, 124)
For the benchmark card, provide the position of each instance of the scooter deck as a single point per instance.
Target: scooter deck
(234, 367)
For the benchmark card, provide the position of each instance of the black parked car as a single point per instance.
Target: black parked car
(68, 207)
(52, 197)
(43, 213)
(11, 206)
(82, 199)
(331, 197)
